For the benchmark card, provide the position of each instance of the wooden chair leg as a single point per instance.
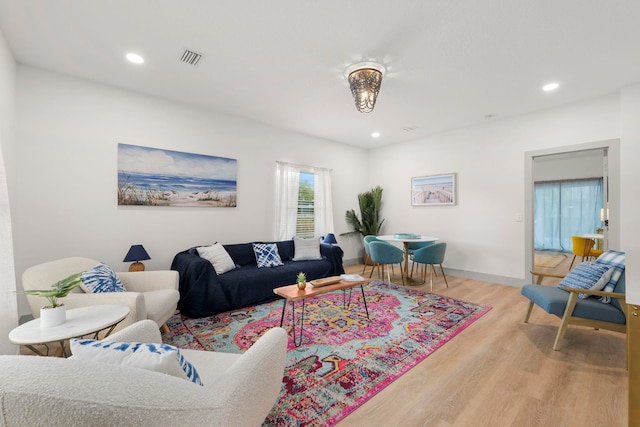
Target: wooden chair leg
(568, 312)
(366, 258)
(443, 275)
(164, 328)
(402, 274)
(526, 318)
(574, 258)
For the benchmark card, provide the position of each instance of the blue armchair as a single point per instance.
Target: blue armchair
(564, 303)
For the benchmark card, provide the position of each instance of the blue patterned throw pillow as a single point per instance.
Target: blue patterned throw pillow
(163, 358)
(101, 278)
(267, 255)
(588, 275)
(613, 259)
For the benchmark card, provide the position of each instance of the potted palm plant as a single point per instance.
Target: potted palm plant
(369, 222)
(55, 313)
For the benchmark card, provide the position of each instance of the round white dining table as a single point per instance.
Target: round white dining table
(405, 239)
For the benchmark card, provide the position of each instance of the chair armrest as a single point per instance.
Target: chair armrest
(133, 300)
(615, 295)
(542, 274)
(145, 281)
(143, 331)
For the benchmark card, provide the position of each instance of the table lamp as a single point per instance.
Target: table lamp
(136, 254)
(330, 239)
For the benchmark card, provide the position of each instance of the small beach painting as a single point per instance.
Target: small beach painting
(433, 190)
(154, 177)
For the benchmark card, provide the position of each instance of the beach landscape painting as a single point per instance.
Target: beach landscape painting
(433, 190)
(155, 177)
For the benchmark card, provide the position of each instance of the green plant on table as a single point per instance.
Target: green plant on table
(301, 277)
(58, 290)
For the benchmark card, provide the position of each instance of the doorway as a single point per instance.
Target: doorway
(574, 164)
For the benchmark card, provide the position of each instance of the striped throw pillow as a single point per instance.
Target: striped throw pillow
(588, 275)
(613, 259)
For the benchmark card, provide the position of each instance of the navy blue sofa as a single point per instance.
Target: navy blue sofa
(205, 293)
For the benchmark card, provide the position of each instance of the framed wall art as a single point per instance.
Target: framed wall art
(434, 190)
(155, 177)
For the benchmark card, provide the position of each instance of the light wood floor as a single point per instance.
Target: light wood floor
(503, 372)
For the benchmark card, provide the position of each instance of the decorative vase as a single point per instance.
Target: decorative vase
(302, 285)
(53, 316)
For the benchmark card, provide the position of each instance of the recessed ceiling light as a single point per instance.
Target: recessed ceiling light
(375, 135)
(135, 58)
(550, 87)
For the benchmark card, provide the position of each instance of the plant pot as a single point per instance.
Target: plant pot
(50, 317)
(302, 285)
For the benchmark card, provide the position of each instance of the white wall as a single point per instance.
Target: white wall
(578, 165)
(482, 235)
(8, 305)
(630, 179)
(64, 201)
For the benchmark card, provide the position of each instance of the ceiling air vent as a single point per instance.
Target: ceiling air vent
(191, 57)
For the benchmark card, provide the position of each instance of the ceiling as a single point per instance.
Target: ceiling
(450, 64)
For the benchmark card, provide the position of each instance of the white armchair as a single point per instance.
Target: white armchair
(150, 294)
(239, 389)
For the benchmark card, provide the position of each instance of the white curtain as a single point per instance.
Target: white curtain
(563, 209)
(323, 205)
(287, 188)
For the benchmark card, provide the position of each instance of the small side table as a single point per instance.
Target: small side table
(90, 320)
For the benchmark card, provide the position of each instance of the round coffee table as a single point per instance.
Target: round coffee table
(89, 320)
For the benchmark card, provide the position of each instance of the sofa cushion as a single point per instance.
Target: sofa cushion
(306, 249)
(267, 255)
(101, 278)
(162, 358)
(217, 255)
(587, 275)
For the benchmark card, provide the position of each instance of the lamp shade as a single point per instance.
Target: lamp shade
(136, 253)
(330, 238)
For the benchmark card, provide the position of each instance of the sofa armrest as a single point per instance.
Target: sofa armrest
(334, 254)
(145, 281)
(133, 300)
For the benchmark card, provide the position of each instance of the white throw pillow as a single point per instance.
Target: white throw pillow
(306, 249)
(218, 256)
(163, 358)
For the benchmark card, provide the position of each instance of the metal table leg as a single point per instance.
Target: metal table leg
(364, 299)
(297, 342)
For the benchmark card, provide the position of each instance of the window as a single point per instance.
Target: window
(563, 209)
(303, 201)
(305, 221)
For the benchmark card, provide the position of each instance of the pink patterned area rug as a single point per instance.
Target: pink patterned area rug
(344, 358)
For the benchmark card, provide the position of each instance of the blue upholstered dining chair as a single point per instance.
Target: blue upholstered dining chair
(367, 258)
(431, 255)
(384, 253)
(414, 246)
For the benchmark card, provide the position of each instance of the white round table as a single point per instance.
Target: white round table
(405, 239)
(82, 321)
